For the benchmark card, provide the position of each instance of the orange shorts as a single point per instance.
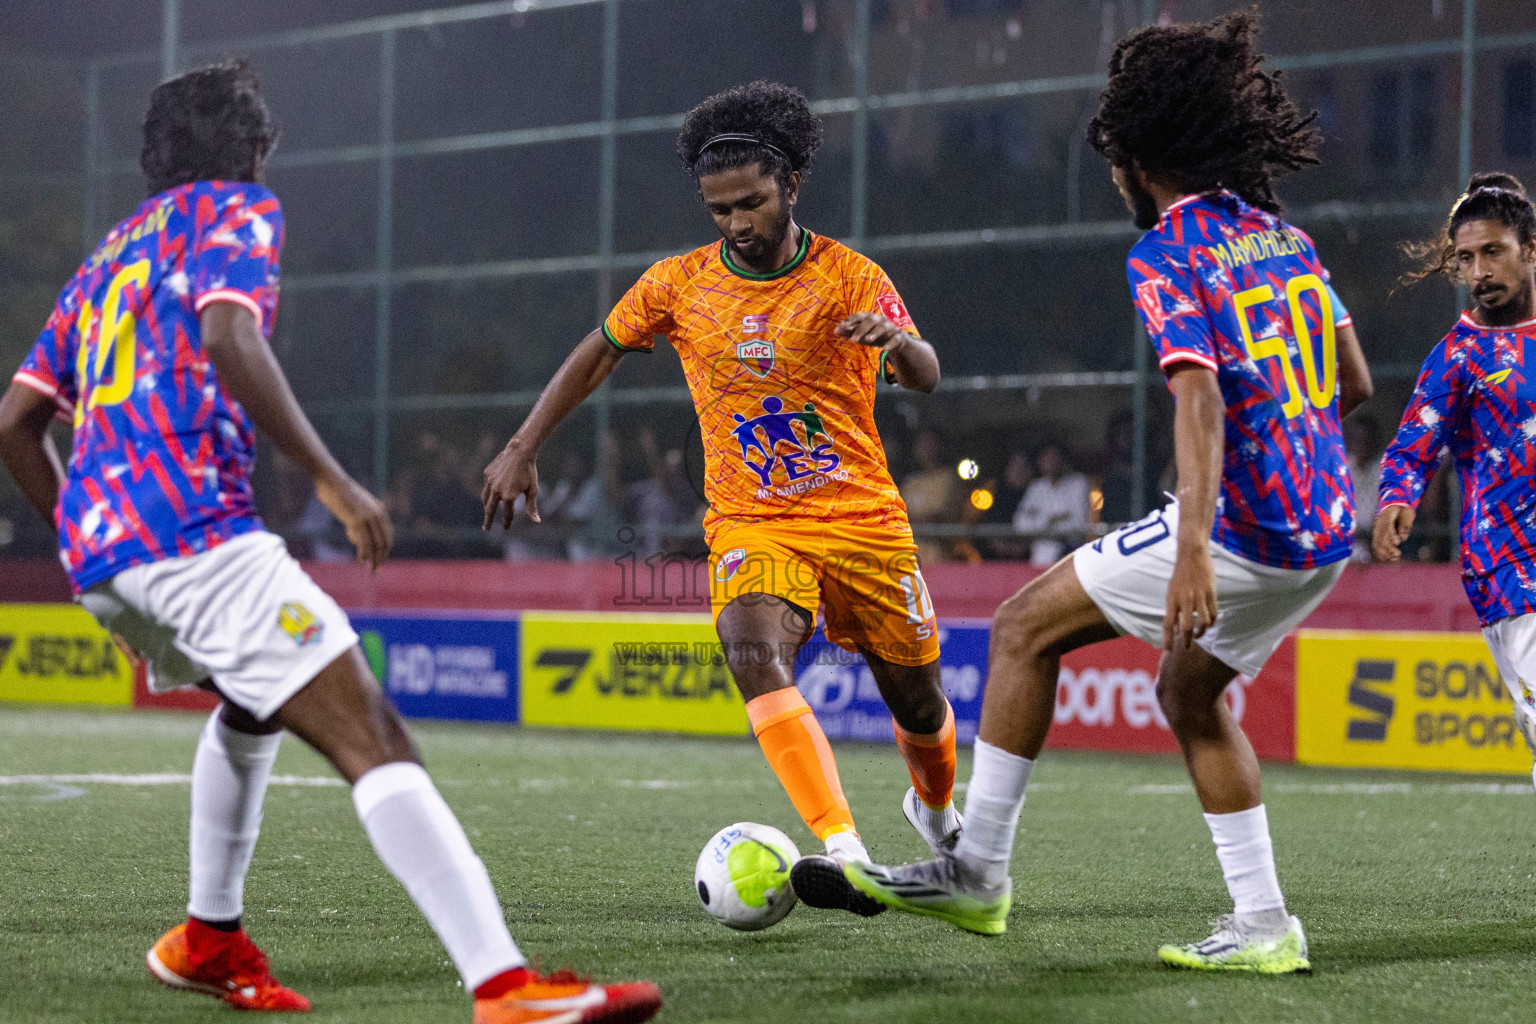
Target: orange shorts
(865, 575)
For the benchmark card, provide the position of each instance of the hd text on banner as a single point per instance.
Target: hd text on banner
(1404, 700)
(58, 654)
(454, 667)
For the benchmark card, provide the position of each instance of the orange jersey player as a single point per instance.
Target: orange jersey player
(783, 336)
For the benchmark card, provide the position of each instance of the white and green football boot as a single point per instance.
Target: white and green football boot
(933, 888)
(1230, 949)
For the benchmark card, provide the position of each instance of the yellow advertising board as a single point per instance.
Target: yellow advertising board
(58, 654)
(1404, 700)
(610, 670)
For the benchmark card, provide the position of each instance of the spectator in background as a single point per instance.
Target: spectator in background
(1057, 501)
(1363, 446)
(1119, 472)
(440, 509)
(660, 502)
(932, 495)
(1007, 495)
(583, 504)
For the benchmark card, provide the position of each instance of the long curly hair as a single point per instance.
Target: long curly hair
(210, 124)
(1491, 195)
(1191, 103)
(769, 112)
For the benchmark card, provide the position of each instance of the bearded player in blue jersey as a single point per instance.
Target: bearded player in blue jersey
(157, 352)
(1475, 400)
(1261, 361)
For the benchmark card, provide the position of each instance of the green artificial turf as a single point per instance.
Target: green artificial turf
(1416, 890)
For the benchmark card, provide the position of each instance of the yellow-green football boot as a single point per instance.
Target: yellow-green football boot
(1230, 949)
(933, 888)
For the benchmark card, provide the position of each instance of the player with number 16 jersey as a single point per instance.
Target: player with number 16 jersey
(162, 455)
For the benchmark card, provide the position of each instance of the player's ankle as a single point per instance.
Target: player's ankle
(201, 929)
(1267, 923)
(846, 846)
(507, 981)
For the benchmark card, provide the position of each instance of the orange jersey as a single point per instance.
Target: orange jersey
(786, 407)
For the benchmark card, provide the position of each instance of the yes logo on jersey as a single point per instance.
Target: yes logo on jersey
(795, 444)
(299, 623)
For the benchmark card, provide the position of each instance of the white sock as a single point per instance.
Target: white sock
(229, 782)
(937, 823)
(847, 846)
(421, 842)
(1248, 863)
(993, 802)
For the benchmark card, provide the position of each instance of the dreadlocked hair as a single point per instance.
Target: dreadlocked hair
(210, 124)
(776, 115)
(1190, 103)
(1491, 195)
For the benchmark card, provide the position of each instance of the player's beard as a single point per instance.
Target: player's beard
(1143, 207)
(762, 255)
(1503, 308)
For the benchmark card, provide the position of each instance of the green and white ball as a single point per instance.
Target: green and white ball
(742, 876)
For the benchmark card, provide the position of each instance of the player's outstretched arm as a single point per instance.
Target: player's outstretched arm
(912, 360)
(1199, 443)
(27, 450)
(515, 471)
(250, 373)
(1355, 387)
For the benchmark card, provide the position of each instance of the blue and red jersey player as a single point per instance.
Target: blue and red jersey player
(162, 456)
(1234, 289)
(1475, 400)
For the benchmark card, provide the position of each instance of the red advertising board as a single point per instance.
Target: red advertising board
(1106, 699)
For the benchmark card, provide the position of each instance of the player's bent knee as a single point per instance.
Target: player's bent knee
(1021, 625)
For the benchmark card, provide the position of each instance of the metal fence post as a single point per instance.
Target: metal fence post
(383, 294)
(858, 171)
(1140, 351)
(88, 237)
(170, 31)
(607, 187)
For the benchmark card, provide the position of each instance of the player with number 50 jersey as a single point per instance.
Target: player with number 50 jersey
(162, 455)
(1232, 288)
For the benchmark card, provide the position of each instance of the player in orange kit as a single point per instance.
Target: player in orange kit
(783, 336)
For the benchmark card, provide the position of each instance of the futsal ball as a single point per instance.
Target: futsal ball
(742, 876)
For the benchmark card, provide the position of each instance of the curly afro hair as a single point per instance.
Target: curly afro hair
(1190, 102)
(1492, 195)
(206, 125)
(776, 114)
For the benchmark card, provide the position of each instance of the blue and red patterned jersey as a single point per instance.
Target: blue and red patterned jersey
(161, 460)
(1476, 400)
(1234, 289)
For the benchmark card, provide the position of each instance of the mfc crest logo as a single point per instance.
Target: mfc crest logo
(796, 445)
(756, 354)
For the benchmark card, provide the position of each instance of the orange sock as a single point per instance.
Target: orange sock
(931, 761)
(798, 752)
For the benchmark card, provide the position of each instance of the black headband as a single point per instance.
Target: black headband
(737, 137)
(1456, 207)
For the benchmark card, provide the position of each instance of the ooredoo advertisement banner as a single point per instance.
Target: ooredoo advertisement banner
(1106, 696)
(609, 670)
(1404, 700)
(1106, 699)
(57, 653)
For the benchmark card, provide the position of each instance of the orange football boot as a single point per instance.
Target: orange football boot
(223, 964)
(563, 998)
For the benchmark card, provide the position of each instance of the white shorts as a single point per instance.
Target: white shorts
(1126, 573)
(1512, 642)
(243, 614)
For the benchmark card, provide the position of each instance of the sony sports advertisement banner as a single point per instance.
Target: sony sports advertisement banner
(615, 670)
(57, 653)
(456, 666)
(1404, 700)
